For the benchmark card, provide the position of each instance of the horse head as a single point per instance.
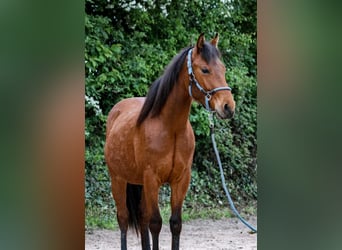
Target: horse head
(207, 78)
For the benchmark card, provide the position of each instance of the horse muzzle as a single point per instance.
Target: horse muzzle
(226, 112)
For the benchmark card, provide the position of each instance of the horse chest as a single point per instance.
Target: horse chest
(166, 153)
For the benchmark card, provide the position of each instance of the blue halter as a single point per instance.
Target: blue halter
(207, 94)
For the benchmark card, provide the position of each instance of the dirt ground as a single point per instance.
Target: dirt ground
(224, 234)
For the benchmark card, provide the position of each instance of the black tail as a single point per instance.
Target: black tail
(133, 205)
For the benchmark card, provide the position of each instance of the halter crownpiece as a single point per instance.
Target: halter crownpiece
(207, 94)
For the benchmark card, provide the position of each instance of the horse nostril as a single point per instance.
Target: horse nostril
(228, 111)
(226, 108)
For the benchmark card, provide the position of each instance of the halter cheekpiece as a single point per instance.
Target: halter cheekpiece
(207, 94)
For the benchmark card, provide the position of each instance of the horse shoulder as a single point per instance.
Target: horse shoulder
(183, 152)
(190, 135)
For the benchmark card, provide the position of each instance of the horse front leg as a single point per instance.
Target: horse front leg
(176, 227)
(178, 192)
(155, 227)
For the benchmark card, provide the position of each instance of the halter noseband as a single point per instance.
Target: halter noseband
(207, 94)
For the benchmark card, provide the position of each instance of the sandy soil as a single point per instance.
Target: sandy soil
(224, 234)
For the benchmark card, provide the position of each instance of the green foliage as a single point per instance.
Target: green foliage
(128, 44)
(100, 217)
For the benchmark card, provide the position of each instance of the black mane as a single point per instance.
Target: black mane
(162, 87)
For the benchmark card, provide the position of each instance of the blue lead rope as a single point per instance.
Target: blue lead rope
(211, 125)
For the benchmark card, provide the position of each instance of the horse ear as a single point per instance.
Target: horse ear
(200, 42)
(215, 40)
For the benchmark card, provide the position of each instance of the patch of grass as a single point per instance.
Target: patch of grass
(249, 210)
(206, 213)
(100, 218)
(196, 213)
(105, 218)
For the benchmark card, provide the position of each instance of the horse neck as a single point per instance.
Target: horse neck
(175, 113)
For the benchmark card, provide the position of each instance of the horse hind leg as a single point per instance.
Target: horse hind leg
(150, 213)
(119, 194)
(136, 204)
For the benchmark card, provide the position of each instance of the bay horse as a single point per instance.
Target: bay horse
(150, 142)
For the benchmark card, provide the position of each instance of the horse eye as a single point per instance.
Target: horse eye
(205, 71)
